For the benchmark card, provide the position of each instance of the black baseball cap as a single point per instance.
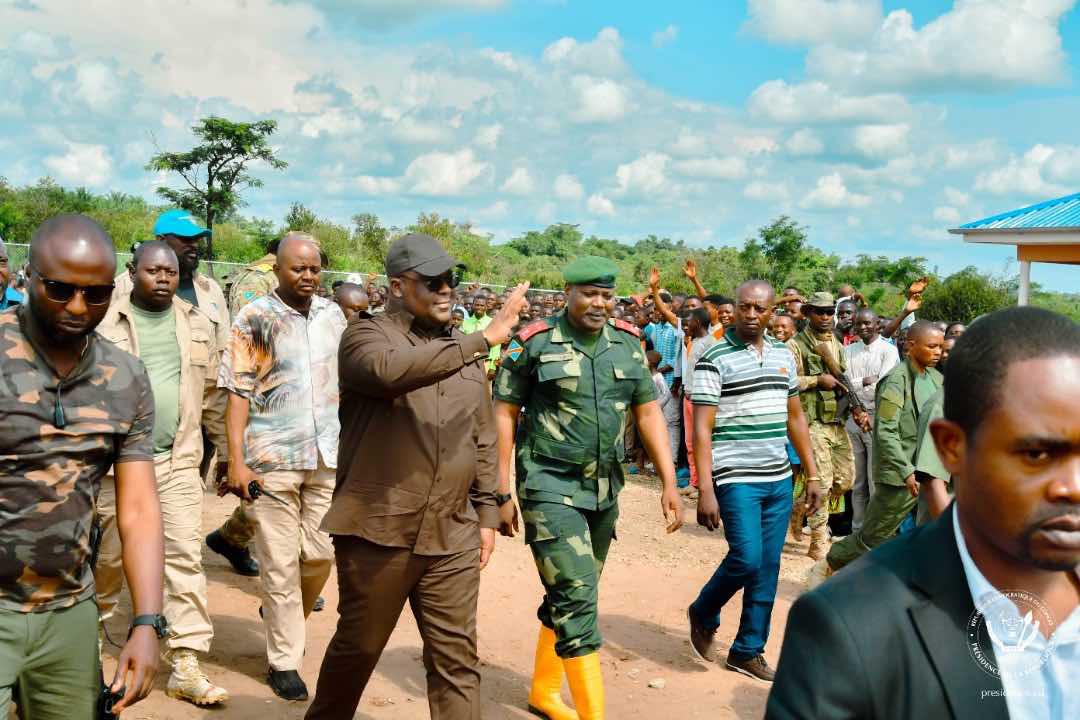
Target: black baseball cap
(420, 253)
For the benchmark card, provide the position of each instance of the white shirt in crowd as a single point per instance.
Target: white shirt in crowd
(698, 346)
(873, 360)
(668, 404)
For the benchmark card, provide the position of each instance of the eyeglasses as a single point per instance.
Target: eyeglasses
(822, 310)
(62, 292)
(435, 284)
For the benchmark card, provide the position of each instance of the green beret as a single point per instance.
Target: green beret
(591, 270)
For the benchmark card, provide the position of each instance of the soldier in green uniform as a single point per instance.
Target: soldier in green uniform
(254, 280)
(901, 398)
(578, 374)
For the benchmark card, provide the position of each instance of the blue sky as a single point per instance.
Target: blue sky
(877, 124)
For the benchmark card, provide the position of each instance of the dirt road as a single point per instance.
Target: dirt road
(649, 579)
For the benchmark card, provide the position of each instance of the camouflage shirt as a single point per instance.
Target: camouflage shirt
(576, 400)
(50, 476)
(252, 282)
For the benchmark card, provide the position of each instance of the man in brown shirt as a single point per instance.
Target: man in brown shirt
(415, 494)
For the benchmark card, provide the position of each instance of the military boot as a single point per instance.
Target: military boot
(798, 517)
(586, 685)
(187, 681)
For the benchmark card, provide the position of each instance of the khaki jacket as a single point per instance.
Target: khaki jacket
(211, 303)
(201, 402)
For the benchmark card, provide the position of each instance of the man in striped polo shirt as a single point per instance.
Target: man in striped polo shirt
(746, 407)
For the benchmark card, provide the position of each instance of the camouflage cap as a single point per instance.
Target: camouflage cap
(591, 270)
(822, 300)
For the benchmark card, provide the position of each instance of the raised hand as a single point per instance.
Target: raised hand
(690, 271)
(502, 325)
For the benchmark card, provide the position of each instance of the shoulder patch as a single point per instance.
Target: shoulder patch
(513, 350)
(533, 328)
(626, 326)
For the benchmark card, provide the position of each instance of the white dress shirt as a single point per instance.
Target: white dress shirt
(873, 360)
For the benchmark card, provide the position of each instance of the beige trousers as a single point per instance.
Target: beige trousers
(294, 556)
(180, 493)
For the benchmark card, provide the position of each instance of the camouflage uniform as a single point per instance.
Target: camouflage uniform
(569, 456)
(833, 453)
(58, 438)
(251, 282)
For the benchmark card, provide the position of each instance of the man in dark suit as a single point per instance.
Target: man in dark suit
(978, 613)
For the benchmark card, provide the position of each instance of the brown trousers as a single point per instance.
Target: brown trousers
(373, 583)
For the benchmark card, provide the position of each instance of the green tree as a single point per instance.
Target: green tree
(300, 218)
(373, 240)
(561, 240)
(776, 251)
(216, 170)
(964, 296)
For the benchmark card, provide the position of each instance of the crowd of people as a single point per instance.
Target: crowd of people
(125, 394)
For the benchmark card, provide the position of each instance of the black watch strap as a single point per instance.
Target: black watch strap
(503, 499)
(158, 622)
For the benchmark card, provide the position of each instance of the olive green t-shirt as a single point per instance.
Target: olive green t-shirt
(924, 389)
(160, 353)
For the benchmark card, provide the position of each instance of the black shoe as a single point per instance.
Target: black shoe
(701, 640)
(239, 558)
(287, 684)
(320, 604)
(755, 667)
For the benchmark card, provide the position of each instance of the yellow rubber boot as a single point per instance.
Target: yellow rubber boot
(545, 696)
(586, 685)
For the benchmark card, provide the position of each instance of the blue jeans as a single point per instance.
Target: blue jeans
(755, 517)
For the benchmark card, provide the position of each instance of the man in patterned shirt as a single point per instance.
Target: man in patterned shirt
(746, 408)
(282, 423)
(71, 406)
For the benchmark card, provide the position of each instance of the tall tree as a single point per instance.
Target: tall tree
(216, 170)
(373, 238)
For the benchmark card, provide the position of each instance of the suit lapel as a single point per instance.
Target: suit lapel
(941, 623)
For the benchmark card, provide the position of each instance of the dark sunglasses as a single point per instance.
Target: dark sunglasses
(822, 310)
(62, 292)
(434, 284)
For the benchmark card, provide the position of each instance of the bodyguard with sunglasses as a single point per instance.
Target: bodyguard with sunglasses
(71, 407)
(415, 510)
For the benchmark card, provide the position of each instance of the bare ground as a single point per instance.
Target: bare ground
(649, 580)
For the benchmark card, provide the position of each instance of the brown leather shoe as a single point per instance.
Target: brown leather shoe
(701, 639)
(755, 667)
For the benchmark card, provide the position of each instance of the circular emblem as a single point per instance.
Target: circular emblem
(1005, 633)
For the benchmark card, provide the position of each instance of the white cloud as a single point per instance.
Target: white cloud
(766, 192)
(816, 102)
(881, 141)
(600, 56)
(35, 43)
(411, 131)
(713, 168)
(956, 197)
(688, 143)
(81, 164)
(386, 14)
(1034, 173)
(96, 85)
(599, 99)
(978, 45)
(813, 21)
(495, 211)
(832, 194)
(961, 157)
(372, 185)
(804, 143)
(331, 122)
(600, 205)
(947, 214)
(504, 60)
(660, 38)
(445, 174)
(643, 177)
(488, 136)
(568, 187)
(756, 144)
(519, 182)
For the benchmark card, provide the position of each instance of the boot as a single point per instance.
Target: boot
(545, 698)
(187, 681)
(586, 685)
(798, 517)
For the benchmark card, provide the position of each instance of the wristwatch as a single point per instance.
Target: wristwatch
(158, 622)
(503, 499)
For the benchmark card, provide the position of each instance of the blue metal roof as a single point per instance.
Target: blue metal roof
(1064, 212)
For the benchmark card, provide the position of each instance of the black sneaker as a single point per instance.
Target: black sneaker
(287, 684)
(320, 604)
(755, 667)
(701, 640)
(239, 558)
